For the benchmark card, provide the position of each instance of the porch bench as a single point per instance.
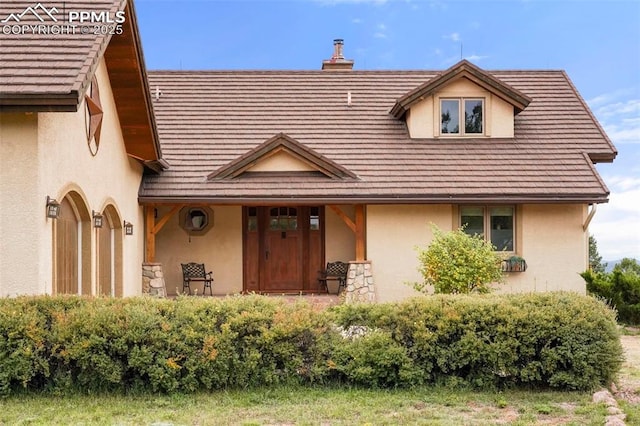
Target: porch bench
(195, 272)
(335, 271)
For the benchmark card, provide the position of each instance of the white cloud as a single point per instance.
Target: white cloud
(617, 231)
(452, 37)
(619, 117)
(616, 225)
(335, 2)
(356, 20)
(381, 31)
(476, 57)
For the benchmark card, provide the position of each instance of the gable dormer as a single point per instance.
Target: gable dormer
(463, 101)
(283, 155)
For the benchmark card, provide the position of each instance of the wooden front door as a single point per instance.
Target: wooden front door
(283, 249)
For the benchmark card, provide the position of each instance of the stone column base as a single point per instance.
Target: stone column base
(153, 280)
(360, 286)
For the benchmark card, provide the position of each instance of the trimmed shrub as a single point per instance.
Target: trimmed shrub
(558, 340)
(60, 344)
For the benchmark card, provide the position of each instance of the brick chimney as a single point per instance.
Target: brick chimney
(337, 61)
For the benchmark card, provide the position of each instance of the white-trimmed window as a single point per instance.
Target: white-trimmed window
(494, 223)
(461, 116)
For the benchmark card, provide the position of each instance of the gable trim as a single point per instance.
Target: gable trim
(463, 69)
(282, 142)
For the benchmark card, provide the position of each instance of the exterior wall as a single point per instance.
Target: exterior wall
(393, 232)
(281, 162)
(53, 158)
(555, 247)
(424, 117)
(22, 207)
(220, 249)
(552, 242)
(340, 241)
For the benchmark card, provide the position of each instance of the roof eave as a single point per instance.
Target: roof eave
(382, 199)
(63, 102)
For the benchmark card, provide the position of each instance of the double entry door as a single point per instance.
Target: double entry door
(283, 248)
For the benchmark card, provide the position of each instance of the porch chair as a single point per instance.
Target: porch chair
(336, 271)
(195, 272)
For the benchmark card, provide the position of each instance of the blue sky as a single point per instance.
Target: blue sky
(596, 42)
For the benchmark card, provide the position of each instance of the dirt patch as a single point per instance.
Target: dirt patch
(628, 385)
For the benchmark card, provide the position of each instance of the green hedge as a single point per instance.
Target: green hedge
(140, 344)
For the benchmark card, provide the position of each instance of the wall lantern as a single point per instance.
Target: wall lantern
(97, 219)
(128, 228)
(53, 208)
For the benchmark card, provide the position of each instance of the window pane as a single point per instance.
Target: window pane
(450, 122)
(472, 218)
(473, 116)
(274, 223)
(314, 218)
(502, 228)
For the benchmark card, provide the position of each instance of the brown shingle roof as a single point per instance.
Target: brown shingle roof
(206, 120)
(48, 65)
(41, 71)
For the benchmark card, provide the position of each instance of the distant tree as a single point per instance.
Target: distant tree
(628, 265)
(446, 119)
(595, 260)
(473, 121)
(620, 287)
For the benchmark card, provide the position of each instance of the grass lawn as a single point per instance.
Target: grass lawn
(309, 406)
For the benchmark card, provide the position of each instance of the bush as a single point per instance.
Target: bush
(64, 343)
(621, 288)
(456, 262)
(560, 340)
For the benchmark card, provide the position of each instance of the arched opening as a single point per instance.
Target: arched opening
(72, 249)
(109, 254)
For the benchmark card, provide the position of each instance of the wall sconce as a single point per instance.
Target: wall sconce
(53, 208)
(128, 228)
(97, 219)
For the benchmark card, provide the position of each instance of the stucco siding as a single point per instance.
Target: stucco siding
(220, 249)
(555, 247)
(393, 232)
(46, 154)
(552, 241)
(22, 212)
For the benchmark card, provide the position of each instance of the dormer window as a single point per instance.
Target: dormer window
(452, 109)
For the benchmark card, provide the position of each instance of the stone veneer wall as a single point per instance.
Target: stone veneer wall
(153, 280)
(360, 286)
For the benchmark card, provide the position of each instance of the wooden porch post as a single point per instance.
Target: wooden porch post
(360, 233)
(150, 240)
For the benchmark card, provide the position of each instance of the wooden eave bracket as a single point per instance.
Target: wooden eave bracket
(342, 215)
(467, 70)
(284, 142)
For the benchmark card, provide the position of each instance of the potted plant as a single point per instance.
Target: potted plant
(516, 264)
